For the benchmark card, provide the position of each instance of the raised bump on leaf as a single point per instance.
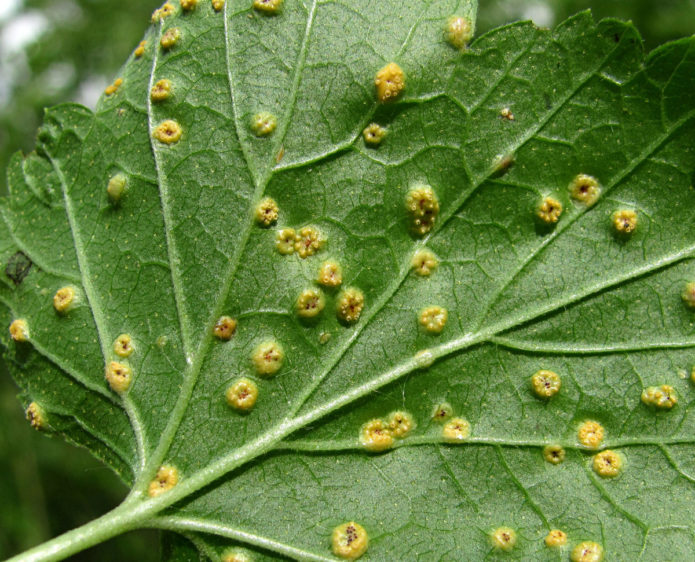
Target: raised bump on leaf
(376, 436)
(36, 416)
(502, 163)
(503, 538)
(119, 376)
(506, 113)
(373, 134)
(554, 454)
(123, 345)
(242, 395)
(161, 90)
(310, 303)
(113, 88)
(442, 412)
(308, 241)
(166, 478)
(170, 38)
(116, 187)
(224, 328)
(688, 295)
(284, 241)
(556, 538)
(235, 555)
(458, 31)
(585, 189)
(549, 210)
(607, 464)
(389, 82)
(545, 383)
(350, 540)
(268, 357)
(217, 5)
(65, 299)
(663, 397)
(423, 206)
(140, 49)
(400, 423)
(266, 212)
(263, 123)
(624, 221)
(349, 305)
(433, 319)
(587, 551)
(188, 5)
(19, 330)
(424, 262)
(168, 132)
(268, 7)
(424, 358)
(590, 434)
(456, 430)
(330, 274)
(163, 12)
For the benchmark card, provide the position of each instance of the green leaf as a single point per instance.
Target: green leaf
(493, 130)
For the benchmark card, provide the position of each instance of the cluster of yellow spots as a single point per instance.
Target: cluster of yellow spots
(624, 221)
(163, 12)
(123, 346)
(263, 123)
(424, 262)
(113, 88)
(556, 538)
(65, 299)
(140, 49)
(268, 7)
(587, 552)
(663, 397)
(224, 328)
(188, 5)
(284, 241)
(585, 189)
(389, 82)
(267, 211)
(442, 412)
(456, 430)
(330, 274)
(168, 132)
(306, 242)
(378, 435)
(549, 210)
(310, 303)
(688, 295)
(235, 555)
(554, 454)
(119, 376)
(116, 187)
(267, 358)
(166, 478)
(607, 464)
(458, 31)
(503, 538)
(217, 5)
(170, 38)
(19, 330)
(423, 206)
(506, 113)
(433, 319)
(350, 541)
(242, 395)
(36, 416)
(349, 305)
(373, 134)
(161, 90)
(545, 384)
(590, 434)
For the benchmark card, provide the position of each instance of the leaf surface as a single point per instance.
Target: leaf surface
(181, 248)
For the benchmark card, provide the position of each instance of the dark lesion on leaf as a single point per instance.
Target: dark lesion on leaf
(18, 267)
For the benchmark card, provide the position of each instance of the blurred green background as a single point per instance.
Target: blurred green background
(68, 50)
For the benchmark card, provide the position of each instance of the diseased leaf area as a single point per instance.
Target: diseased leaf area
(458, 332)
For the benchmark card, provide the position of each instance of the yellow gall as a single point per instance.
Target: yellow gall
(140, 49)
(423, 206)
(235, 555)
(688, 295)
(116, 187)
(36, 416)
(168, 132)
(423, 359)
(456, 430)
(375, 436)
(266, 212)
(373, 134)
(554, 454)
(188, 5)
(119, 376)
(506, 113)
(242, 395)
(330, 274)
(350, 541)
(113, 88)
(458, 31)
(308, 241)
(587, 552)
(400, 424)
(607, 464)
(389, 82)
(269, 7)
(504, 538)
(556, 538)
(161, 90)
(590, 434)
(123, 346)
(217, 5)
(424, 262)
(545, 384)
(349, 305)
(267, 358)
(585, 189)
(224, 328)
(442, 412)
(324, 338)
(64, 299)
(284, 241)
(19, 330)
(170, 38)
(163, 12)
(663, 397)
(166, 478)
(310, 303)
(624, 221)
(549, 210)
(433, 319)
(263, 123)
